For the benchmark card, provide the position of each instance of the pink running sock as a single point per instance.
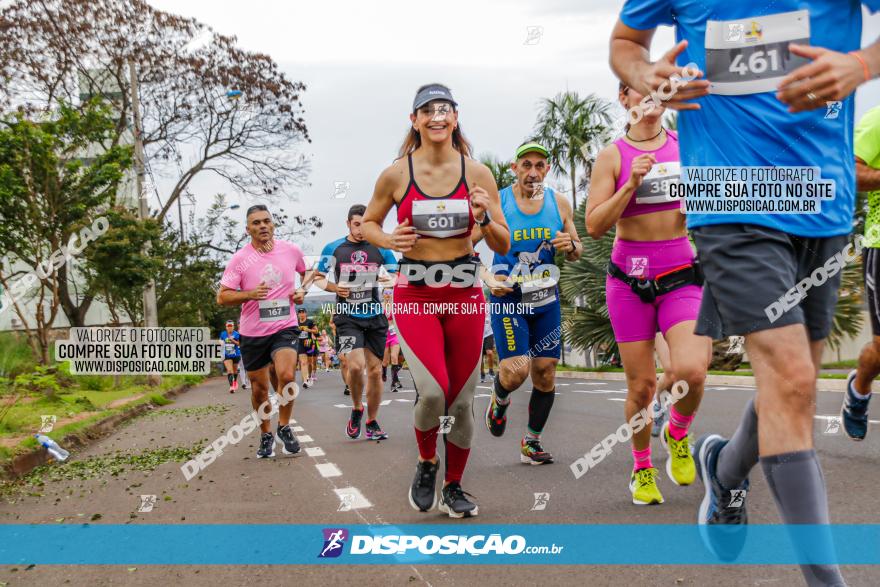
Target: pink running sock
(679, 423)
(641, 458)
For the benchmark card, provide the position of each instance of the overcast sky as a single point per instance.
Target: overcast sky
(362, 62)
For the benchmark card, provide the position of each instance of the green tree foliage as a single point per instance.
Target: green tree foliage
(49, 193)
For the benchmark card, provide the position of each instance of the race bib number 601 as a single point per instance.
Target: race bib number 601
(751, 55)
(440, 218)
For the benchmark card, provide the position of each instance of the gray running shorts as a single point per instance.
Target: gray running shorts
(755, 277)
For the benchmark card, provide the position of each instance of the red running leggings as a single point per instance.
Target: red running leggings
(441, 333)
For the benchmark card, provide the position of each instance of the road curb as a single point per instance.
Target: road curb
(27, 462)
(833, 385)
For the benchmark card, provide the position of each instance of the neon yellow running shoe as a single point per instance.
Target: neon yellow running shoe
(643, 486)
(680, 464)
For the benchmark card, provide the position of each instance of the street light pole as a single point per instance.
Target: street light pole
(180, 218)
(151, 315)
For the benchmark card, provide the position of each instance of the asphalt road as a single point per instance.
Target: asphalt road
(238, 488)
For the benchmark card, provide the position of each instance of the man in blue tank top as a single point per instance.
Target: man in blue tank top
(526, 316)
(772, 97)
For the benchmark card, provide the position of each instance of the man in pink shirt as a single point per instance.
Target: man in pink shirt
(261, 279)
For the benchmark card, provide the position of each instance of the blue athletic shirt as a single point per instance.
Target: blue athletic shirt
(756, 129)
(231, 350)
(349, 258)
(530, 236)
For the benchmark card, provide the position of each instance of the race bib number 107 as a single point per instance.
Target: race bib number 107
(751, 55)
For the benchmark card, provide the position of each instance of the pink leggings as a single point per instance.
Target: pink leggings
(443, 351)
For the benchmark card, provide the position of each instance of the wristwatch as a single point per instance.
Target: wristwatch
(485, 221)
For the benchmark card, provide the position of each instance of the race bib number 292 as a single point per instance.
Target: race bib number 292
(751, 55)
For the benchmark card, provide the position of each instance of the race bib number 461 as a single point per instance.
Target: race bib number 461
(751, 55)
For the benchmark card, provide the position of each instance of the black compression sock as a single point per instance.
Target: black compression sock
(540, 405)
(395, 372)
(229, 378)
(500, 392)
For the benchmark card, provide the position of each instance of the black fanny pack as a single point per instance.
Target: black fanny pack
(649, 289)
(460, 272)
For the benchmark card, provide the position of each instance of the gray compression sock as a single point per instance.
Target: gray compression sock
(798, 487)
(740, 454)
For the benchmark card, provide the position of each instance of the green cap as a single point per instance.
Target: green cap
(532, 148)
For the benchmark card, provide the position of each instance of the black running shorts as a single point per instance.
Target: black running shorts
(358, 333)
(489, 343)
(259, 351)
(871, 271)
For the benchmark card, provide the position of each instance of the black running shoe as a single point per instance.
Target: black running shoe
(722, 516)
(346, 391)
(267, 446)
(496, 418)
(423, 492)
(288, 440)
(374, 431)
(353, 429)
(454, 501)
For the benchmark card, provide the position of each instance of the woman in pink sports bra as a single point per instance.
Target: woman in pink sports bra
(652, 285)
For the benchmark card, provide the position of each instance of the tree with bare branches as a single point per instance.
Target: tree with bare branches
(207, 105)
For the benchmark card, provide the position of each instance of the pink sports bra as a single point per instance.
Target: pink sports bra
(651, 195)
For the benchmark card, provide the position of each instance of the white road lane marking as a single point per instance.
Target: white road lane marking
(616, 399)
(328, 470)
(305, 438)
(836, 417)
(353, 497)
(315, 451)
(597, 391)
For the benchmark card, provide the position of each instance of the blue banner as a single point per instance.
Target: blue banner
(463, 543)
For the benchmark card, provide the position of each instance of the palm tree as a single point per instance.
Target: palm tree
(582, 287)
(573, 128)
(500, 170)
(848, 319)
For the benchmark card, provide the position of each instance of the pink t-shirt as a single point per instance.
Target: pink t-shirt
(278, 268)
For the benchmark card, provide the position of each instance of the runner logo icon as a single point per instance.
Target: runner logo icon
(832, 426)
(47, 423)
(147, 503)
(446, 423)
(737, 498)
(541, 500)
(334, 541)
(833, 110)
(638, 266)
(735, 32)
(346, 344)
